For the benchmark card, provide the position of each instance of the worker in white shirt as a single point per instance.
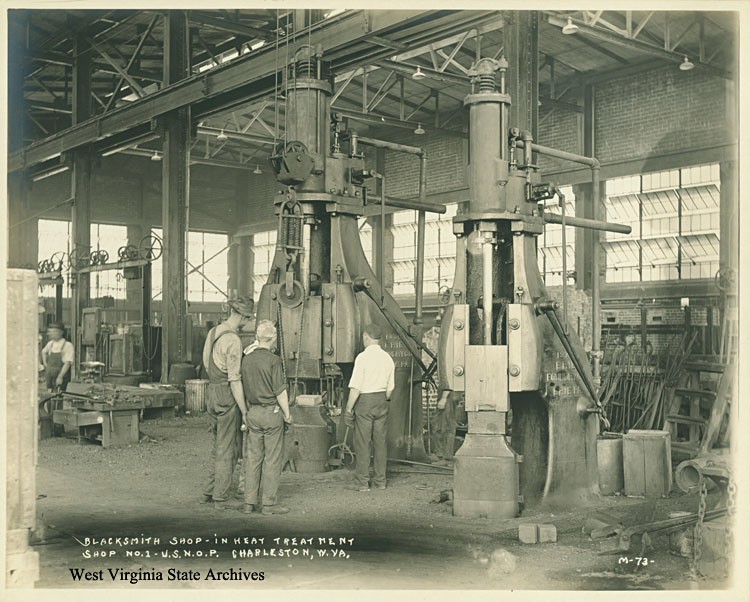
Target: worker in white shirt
(57, 357)
(370, 390)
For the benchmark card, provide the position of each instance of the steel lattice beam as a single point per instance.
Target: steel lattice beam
(344, 37)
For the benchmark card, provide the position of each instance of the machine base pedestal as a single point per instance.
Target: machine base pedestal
(308, 439)
(485, 478)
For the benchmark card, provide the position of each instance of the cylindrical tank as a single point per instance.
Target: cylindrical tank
(195, 395)
(308, 439)
(485, 478)
(609, 455)
(181, 372)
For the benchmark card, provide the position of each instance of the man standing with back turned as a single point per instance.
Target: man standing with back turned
(268, 410)
(370, 389)
(225, 403)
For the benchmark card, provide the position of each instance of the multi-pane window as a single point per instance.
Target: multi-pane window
(440, 251)
(207, 252)
(108, 283)
(207, 266)
(550, 244)
(674, 216)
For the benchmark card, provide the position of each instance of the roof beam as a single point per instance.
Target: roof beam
(619, 40)
(246, 79)
(229, 26)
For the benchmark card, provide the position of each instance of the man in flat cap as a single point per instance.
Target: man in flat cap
(268, 409)
(225, 403)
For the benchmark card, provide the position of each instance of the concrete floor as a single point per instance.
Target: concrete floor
(402, 538)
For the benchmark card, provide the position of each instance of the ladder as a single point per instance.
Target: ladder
(695, 415)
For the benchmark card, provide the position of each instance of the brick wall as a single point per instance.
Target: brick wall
(659, 112)
(446, 165)
(562, 130)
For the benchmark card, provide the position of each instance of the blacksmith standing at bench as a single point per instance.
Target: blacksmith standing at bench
(370, 389)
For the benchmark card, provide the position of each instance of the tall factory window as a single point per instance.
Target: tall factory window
(440, 251)
(550, 244)
(675, 220)
(207, 268)
(108, 283)
(264, 248)
(54, 237)
(207, 252)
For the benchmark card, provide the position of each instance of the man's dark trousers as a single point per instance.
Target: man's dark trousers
(225, 419)
(370, 428)
(264, 453)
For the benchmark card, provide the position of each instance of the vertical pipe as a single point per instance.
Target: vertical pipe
(487, 287)
(596, 317)
(419, 278)
(381, 246)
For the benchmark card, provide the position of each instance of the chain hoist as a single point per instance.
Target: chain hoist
(698, 528)
(728, 532)
(282, 350)
(299, 348)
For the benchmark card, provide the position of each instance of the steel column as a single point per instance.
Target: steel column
(175, 197)
(81, 185)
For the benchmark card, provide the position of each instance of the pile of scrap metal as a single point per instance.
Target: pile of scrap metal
(704, 536)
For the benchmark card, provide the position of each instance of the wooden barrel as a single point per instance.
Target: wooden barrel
(195, 395)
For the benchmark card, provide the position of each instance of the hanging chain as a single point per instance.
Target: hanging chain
(299, 348)
(698, 529)
(282, 350)
(728, 532)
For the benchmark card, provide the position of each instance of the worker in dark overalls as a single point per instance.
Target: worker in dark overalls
(268, 409)
(57, 357)
(370, 389)
(225, 403)
(445, 423)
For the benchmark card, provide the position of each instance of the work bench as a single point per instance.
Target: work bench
(111, 415)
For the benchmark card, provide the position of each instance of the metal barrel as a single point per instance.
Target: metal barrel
(609, 454)
(195, 395)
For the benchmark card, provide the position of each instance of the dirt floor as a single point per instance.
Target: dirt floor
(400, 538)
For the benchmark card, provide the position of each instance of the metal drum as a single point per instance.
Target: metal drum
(195, 395)
(180, 373)
(609, 456)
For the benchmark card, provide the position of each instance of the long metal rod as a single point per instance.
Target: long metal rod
(589, 224)
(399, 148)
(421, 225)
(415, 205)
(487, 289)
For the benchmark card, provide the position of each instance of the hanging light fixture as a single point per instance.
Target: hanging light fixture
(257, 170)
(222, 137)
(686, 64)
(156, 156)
(570, 28)
(419, 130)
(418, 74)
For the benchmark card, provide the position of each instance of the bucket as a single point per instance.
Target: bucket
(609, 455)
(180, 373)
(195, 395)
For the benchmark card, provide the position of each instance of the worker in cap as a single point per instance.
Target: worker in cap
(370, 390)
(268, 409)
(225, 403)
(57, 356)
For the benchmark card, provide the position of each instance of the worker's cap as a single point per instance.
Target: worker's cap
(265, 329)
(57, 326)
(243, 306)
(373, 331)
